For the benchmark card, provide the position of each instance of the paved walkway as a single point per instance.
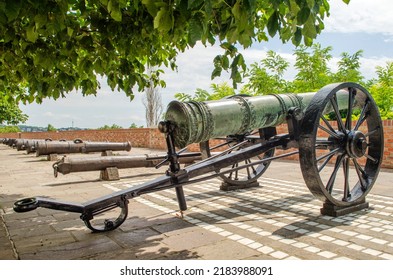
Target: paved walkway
(278, 220)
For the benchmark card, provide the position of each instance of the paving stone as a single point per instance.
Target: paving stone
(279, 221)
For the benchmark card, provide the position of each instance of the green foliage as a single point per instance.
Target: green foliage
(51, 128)
(52, 47)
(9, 129)
(113, 126)
(219, 91)
(348, 68)
(267, 77)
(313, 72)
(134, 125)
(382, 90)
(10, 112)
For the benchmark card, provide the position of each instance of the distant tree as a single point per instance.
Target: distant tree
(9, 129)
(199, 95)
(349, 68)
(134, 125)
(313, 71)
(51, 128)
(113, 126)
(152, 101)
(382, 90)
(219, 91)
(266, 77)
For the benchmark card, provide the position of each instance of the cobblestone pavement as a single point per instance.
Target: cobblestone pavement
(280, 219)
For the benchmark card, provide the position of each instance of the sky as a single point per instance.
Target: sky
(362, 25)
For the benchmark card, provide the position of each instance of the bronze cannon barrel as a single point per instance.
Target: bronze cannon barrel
(68, 165)
(69, 147)
(200, 121)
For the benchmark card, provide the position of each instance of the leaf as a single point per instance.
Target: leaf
(297, 38)
(70, 31)
(346, 1)
(163, 20)
(309, 29)
(193, 4)
(31, 33)
(12, 9)
(216, 72)
(272, 24)
(303, 15)
(195, 31)
(150, 6)
(114, 10)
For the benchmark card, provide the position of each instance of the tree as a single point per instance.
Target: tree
(382, 90)
(51, 128)
(349, 68)
(134, 125)
(219, 91)
(313, 71)
(266, 77)
(51, 47)
(10, 113)
(113, 126)
(152, 102)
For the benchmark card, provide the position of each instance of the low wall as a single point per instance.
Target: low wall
(153, 139)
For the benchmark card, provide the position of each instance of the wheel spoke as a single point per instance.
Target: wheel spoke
(340, 123)
(371, 132)
(362, 116)
(348, 121)
(330, 184)
(331, 153)
(332, 133)
(329, 126)
(322, 166)
(347, 194)
(323, 144)
(361, 174)
(371, 158)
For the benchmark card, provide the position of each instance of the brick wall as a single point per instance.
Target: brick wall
(153, 139)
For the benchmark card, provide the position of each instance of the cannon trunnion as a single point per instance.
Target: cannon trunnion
(337, 133)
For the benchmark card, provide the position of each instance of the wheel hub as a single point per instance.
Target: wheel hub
(356, 144)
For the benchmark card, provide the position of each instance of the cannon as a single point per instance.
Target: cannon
(339, 127)
(78, 146)
(28, 144)
(68, 165)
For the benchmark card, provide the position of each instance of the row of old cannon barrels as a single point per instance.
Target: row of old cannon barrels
(49, 146)
(102, 163)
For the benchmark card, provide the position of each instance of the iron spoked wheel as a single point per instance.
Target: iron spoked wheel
(340, 159)
(248, 174)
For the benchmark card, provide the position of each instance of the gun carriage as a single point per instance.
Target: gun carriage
(247, 127)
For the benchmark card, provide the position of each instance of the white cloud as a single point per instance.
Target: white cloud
(361, 16)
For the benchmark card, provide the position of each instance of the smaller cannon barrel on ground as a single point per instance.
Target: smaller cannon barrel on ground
(48, 148)
(68, 165)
